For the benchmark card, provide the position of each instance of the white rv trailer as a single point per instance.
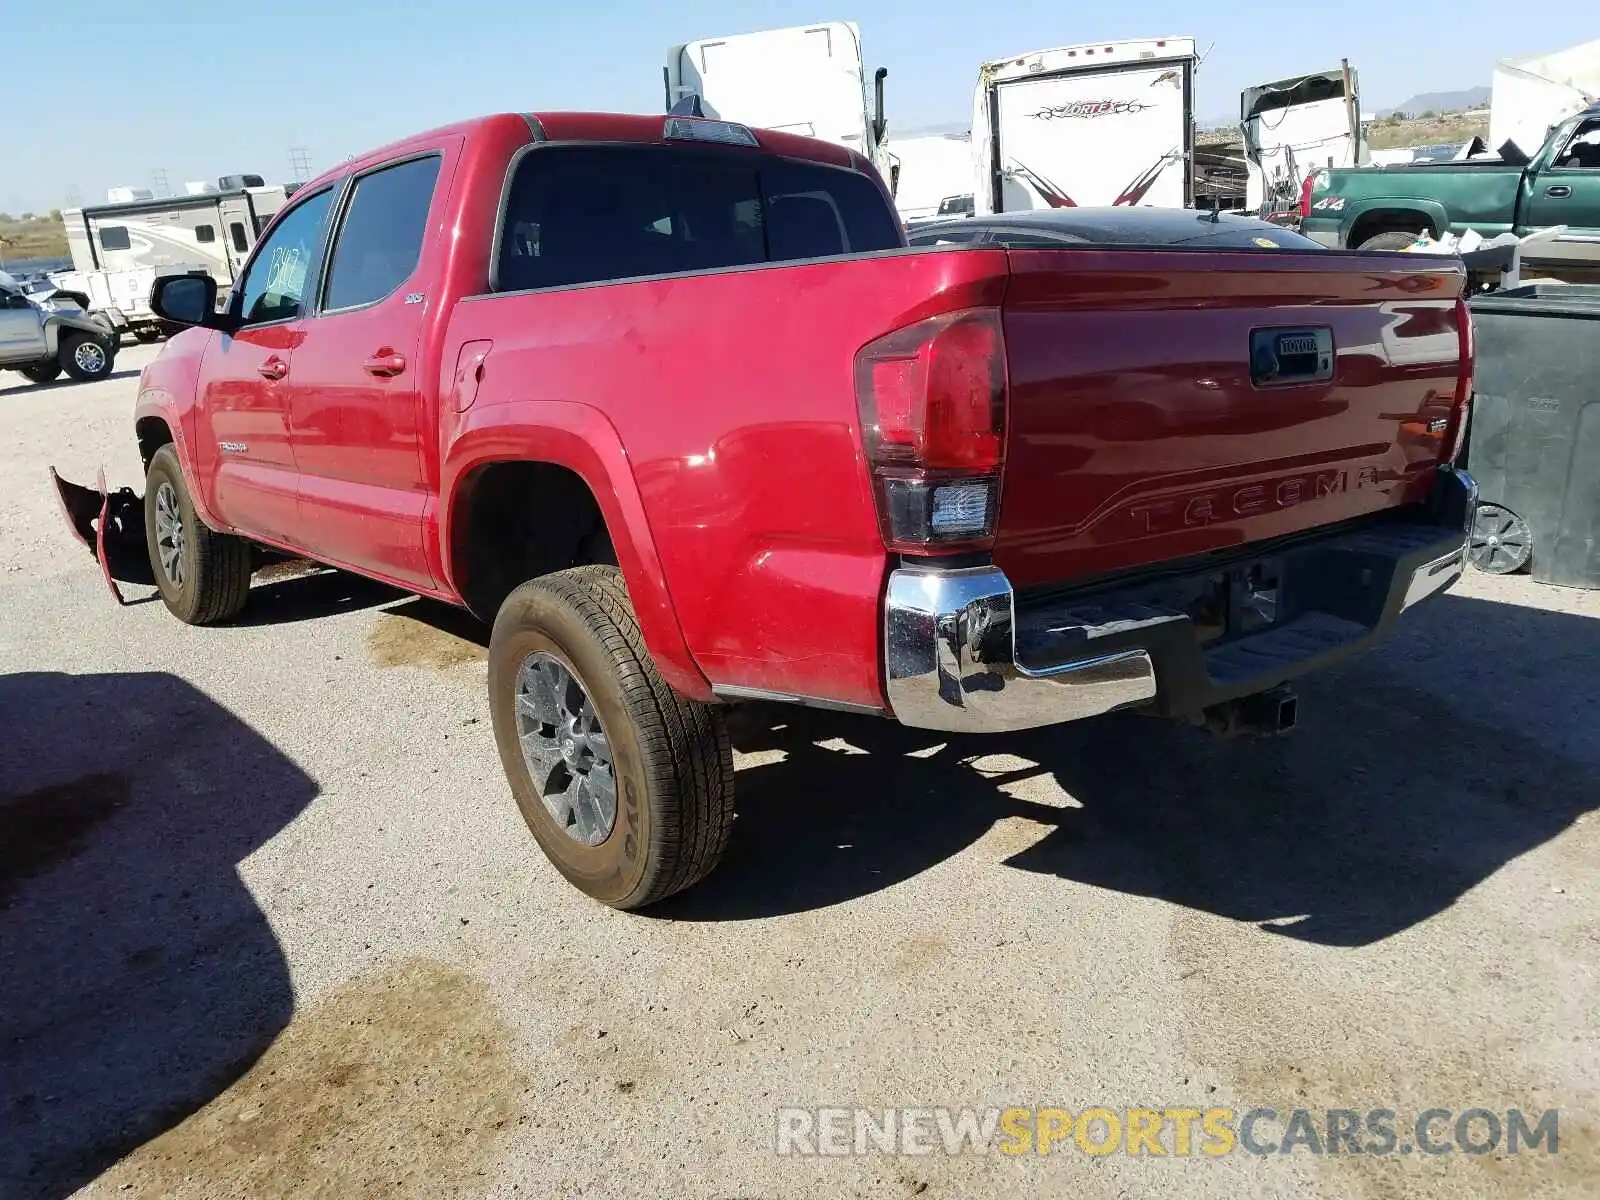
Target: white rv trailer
(1294, 126)
(119, 248)
(808, 80)
(1107, 123)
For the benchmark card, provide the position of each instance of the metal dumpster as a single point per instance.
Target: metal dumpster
(1533, 441)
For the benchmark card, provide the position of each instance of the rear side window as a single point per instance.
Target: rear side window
(381, 238)
(241, 239)
(205, 233)
(585, 214)
(114, 237)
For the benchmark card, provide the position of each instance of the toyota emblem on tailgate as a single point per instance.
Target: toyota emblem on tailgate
(1280, 357)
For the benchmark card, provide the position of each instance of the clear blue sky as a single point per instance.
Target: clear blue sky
(103, 92)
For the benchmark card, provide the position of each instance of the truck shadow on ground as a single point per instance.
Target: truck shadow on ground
(138, 977)
(1417, 772)
(282, 594)
(16, 385)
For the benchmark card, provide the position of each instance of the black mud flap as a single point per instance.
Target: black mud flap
(111, 525)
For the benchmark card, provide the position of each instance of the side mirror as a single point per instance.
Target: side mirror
(189, 300)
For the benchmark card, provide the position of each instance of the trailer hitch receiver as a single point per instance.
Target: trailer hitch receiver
(111, 525)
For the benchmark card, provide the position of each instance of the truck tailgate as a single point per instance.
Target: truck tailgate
(1167, 403)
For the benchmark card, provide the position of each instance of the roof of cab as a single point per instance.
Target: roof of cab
(588, 127)
(627, 127)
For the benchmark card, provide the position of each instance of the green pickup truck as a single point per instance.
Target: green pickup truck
(1384, 208)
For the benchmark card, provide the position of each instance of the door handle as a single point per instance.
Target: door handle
(273, 368)
(1559, 190)
(385, 365)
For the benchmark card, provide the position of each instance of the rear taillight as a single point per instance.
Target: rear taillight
(1306, 188)
(932, 403)
(1464, 372)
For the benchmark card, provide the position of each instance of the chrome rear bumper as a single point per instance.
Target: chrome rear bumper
(952, 666)
(954, 659)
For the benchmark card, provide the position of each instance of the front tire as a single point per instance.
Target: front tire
(203, 576)
(626, 786)
(86, 358)
(45, 372)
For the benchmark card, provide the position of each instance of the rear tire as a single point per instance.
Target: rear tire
(45, 372)
(203, 576)
(1395, 239)
(85, 357)
(148, 334)
(576, 700)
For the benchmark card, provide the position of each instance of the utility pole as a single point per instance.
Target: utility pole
(74, 197)
(159, 178)
(300, 163)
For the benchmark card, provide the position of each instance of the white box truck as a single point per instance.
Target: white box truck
(935, 175)
(1532, 94)
(808, 79)
(1106, 123)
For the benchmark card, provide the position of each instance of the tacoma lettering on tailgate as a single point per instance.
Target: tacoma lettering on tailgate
(1227, 503)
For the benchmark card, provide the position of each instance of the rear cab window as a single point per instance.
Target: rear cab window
(586, 214)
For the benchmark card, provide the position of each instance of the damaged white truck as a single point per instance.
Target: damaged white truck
(1294, 127)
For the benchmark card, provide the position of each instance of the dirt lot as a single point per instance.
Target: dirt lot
(271, 925)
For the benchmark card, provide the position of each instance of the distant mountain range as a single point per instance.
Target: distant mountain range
(1441, 102)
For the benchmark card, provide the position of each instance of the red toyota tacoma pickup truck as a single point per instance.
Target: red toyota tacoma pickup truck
(671, 404)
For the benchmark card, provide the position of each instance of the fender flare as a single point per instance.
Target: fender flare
(1432, 210)
(157, 403)
(581, 439)
(56, 323)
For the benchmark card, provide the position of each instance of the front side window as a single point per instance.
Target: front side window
(585, 214)
(114, 237)
(378, 245)
(274, 285)
(1582, 152)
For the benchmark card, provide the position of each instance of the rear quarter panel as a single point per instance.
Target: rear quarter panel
(732, 396)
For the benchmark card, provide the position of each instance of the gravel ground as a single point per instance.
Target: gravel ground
(271, 925)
